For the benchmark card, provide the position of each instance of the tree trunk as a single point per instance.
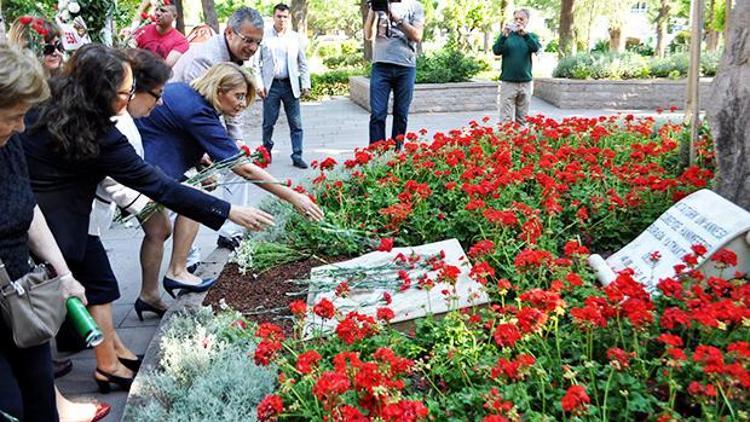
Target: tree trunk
(2, 27)
(299, 16)
(712, 41)
(729, 114)
(712, 37)
(209, 13)
(727, 15)
(180, 16)
(367, 43)
(565, 33)
(616, 40)
(661, 28)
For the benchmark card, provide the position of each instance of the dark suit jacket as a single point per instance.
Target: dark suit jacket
(65, 190)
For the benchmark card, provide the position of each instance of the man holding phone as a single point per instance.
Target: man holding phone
(516, 45)
(400, 26)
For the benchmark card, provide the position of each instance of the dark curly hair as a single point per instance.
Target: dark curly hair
(78, 113)
(149, 70)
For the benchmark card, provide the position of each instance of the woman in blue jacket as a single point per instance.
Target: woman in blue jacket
(176, 135)
(70, 147)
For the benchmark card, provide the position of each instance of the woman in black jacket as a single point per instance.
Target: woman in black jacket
(71, 146)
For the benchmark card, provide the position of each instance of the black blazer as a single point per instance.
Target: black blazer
(65, 189)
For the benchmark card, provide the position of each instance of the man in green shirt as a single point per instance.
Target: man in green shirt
(515, 45)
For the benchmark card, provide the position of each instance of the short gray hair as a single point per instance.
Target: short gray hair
(524, 11)
(245, 14)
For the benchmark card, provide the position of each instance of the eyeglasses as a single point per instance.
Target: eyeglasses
(248, 40)
(50, 49)
(157, 96)
(130, 94)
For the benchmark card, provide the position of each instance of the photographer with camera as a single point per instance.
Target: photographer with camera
(396, 26)
(516, 45)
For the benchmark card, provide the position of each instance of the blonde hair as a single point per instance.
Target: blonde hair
(20, 33)
(21, 78)
(224, 77)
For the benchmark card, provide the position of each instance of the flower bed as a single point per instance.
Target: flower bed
(527, 205)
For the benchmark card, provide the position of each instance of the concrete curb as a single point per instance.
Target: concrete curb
(189, 302)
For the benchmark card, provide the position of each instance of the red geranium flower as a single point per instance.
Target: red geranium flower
(298, 308)
(306, 361)
(725, 257)
(575, 399)
(324, 309)
(506, 335)
(385, 314)
(270, 407)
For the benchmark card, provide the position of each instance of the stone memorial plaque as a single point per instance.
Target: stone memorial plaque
(703, 218)
(407, 305)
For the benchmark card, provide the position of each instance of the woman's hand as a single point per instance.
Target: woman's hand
(305, 206)
(72, 288)
(250, 218)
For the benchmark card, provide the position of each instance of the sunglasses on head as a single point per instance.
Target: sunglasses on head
(49, 49)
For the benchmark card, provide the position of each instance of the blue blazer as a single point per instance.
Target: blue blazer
(177, 133)
(65, 189)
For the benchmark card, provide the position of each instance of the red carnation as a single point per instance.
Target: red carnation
(25, 20)
(575, 398)
(270, 407)
(144, 15)
(386, 244)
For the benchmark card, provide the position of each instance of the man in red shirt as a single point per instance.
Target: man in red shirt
(161, 38)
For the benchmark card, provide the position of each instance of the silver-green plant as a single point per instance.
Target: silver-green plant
(206, 372)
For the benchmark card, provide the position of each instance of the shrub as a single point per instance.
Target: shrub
(205, 373)
(332, 83)
(448, 65)
(602, 66)
(631, 66)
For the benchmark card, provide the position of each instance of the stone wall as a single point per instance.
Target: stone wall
(463, 96)
(618, 95)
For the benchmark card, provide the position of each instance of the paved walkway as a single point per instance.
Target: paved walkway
(332, 128)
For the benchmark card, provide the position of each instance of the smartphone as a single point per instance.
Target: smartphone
(512, 27)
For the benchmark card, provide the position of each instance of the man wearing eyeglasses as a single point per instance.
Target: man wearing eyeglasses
(284, 78)
(161, 38)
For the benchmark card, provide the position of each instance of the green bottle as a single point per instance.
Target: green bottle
(83, 322)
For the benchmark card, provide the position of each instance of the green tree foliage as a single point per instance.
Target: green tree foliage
(463, 18)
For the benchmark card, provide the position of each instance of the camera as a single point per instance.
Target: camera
(512, 27)
(382, 5)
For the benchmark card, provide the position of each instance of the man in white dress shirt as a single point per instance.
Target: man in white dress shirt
(284, 78)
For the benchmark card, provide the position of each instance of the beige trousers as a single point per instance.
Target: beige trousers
(514, 101)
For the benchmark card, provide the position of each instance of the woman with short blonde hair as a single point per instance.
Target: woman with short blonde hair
(176, 135)
(222, 78)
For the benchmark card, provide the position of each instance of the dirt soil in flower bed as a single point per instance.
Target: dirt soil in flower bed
(256, 296)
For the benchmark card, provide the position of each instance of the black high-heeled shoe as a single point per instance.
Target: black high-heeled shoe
(141, 306)
(170, 285)
(132, 364)
(104, 385)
